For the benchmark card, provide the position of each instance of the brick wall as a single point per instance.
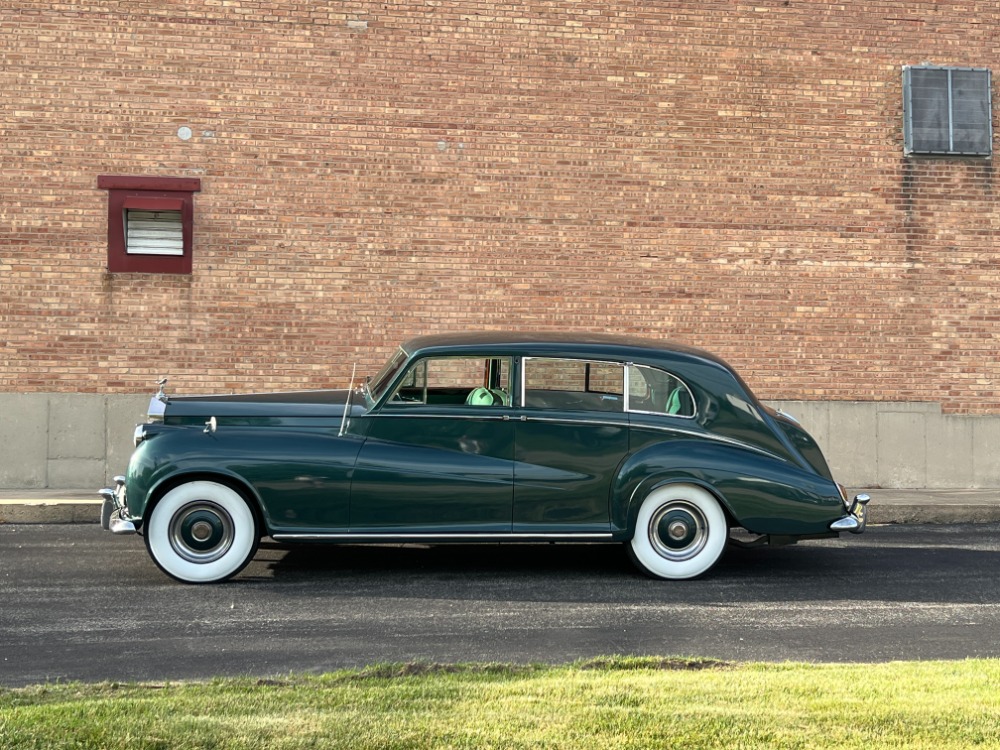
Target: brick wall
(727, 175)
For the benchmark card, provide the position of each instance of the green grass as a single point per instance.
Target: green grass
(607, 704)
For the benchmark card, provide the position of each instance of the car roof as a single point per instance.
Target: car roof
(587, 344)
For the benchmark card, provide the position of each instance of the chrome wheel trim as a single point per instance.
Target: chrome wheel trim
(201, 532)
(678, 531)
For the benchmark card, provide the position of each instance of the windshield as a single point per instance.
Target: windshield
(376, 387)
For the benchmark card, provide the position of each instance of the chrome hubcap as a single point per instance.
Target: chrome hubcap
(201, 532)
(678, 531)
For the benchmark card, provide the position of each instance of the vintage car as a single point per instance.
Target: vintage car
(484, 437)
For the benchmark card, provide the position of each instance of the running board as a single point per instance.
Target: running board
(443, 538)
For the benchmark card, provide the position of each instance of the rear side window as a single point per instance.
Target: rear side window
(573, 385)
(656, 391)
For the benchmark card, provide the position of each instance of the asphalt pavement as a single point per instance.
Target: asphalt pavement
(888, 506)
(81, 604)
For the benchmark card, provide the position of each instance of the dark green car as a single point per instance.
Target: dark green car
(484, 437)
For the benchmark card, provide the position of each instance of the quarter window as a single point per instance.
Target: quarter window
(573, 385)
(658, 392)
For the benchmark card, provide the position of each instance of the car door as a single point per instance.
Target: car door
(438, 456)
(571, 434)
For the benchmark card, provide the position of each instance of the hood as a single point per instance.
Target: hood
(299, 404)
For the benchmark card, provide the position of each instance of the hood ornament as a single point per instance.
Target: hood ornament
(158, 403)
(160, 395)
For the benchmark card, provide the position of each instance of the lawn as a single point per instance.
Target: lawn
(605, 703)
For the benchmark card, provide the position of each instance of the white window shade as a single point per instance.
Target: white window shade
(153, 232)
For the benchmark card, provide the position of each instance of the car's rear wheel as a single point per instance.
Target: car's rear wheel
(201, 532)
(680, 533)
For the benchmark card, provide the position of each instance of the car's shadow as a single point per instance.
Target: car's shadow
(886, 566)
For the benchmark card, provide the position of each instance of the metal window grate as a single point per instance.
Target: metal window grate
(947, 111)
(154, 233)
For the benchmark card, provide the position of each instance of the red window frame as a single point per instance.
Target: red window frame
(150, 194)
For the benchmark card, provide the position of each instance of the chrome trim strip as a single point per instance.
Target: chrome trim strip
(660, 414)
(505, 417)
(489, 416)
(571, 420)
(470, 536)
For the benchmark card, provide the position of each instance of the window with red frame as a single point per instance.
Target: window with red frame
(150, 223)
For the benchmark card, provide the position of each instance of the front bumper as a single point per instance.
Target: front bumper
(114, 512)
(856, 518)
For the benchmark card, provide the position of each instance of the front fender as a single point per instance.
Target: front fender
(762, 493)
(171, 457)
(299, 477)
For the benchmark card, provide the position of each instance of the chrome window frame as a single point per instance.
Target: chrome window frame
(524, 379)
(424, 362)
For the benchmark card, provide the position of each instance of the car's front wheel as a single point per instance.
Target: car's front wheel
(201, 532)
(681, 532)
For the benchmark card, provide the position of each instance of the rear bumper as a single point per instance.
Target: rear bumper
(114, 512)
(857, 516)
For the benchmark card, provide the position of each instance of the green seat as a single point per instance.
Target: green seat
(501, 394)
(674, 401)
(483, 397)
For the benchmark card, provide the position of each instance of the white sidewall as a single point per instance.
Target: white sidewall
(718, 533)
(244, 532)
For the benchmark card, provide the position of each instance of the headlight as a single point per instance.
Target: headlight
(139, 435)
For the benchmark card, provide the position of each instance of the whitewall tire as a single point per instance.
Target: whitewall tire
(201, 532)
(680, 533)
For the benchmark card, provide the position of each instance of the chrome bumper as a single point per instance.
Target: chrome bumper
(114, 513)
(856, 518)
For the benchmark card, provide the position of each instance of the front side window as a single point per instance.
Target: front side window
(573, 384)
(656, 391)
(452, 381)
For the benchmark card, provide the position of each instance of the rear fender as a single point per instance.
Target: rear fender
(762, 493)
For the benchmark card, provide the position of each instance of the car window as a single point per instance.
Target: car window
(475, 381)
(657, 391)
(385, 376)
(573, 384)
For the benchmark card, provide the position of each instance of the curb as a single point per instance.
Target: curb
(951, 514)
(50, 511)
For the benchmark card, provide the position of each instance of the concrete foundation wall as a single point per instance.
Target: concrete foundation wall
(902, 445)
(77, 441)
(61, 440)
